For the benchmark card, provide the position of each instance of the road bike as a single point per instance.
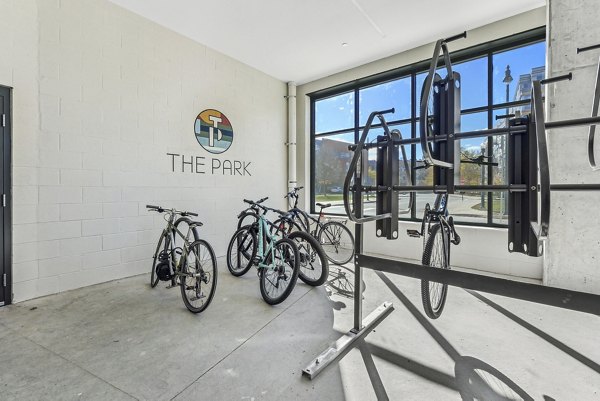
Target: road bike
(437, 227)
(192, 265)
(276, 257)
(437, 230)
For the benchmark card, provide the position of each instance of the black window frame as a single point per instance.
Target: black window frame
(487, 50)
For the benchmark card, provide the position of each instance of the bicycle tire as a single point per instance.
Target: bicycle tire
(245, 236)
(303, 217)
(244, 215)
(434, 307)
(187, 221)
(314, 267)
(205, 265)
(268, 275)
(284, 226)
(153, 276)
(333, 237)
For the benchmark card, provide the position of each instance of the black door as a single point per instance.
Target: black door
(5, 200)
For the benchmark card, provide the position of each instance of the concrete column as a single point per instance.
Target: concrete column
(572, 256)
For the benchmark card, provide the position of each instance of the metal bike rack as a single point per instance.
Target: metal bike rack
(595, 103)
(528, 186)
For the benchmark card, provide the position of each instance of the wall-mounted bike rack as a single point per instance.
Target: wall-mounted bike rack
(528, 186)
(595, 103)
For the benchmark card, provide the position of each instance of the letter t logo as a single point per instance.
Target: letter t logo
(211, 133)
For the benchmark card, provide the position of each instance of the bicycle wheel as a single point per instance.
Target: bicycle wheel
(303, 217)
(435, 254)
(199, 276)
(278, 281)
(182, 224)
(247, 218)
(284, 226)
(163, 250)
(241, 251)
(337, 242)
(314, 267)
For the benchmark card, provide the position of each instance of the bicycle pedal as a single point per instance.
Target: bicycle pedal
(413, 233)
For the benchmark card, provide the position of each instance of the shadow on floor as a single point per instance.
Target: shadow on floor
(474, 379)
(545, 336)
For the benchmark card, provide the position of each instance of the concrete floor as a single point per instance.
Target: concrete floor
(123, 340)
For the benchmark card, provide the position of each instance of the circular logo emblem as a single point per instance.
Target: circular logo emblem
(213, 131)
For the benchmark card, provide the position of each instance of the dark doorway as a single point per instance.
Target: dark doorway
(5, 201)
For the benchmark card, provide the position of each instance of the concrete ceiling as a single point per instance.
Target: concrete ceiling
(301, 40)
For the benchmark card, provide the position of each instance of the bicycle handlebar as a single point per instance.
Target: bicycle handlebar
(264, 208)
(161, 209)
(293, 192)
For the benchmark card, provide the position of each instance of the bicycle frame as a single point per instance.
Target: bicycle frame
(295, 211)
(266, 244)
(171, 231)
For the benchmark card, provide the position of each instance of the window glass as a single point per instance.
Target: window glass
(468, 207)
(332, 159)
(334, 113)
(500, 207)
(525, 64)
(473, 80)
(472, 150)
(393, 94)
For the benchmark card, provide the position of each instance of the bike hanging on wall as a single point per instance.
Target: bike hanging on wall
(528, 186)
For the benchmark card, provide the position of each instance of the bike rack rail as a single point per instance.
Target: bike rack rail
(529, 188)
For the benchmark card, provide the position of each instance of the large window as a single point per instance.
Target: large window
(495, 81)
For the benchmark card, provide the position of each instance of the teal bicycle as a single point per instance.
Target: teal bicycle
(276, 258)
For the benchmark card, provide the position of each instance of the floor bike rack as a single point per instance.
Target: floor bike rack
(528, 186)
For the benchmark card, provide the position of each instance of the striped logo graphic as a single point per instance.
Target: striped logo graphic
(213, 131)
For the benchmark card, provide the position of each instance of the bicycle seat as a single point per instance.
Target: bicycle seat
(196, 224)
(324, 205)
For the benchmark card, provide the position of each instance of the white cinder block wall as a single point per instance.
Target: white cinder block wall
(573, 250)
(481, 248)
(100, 97)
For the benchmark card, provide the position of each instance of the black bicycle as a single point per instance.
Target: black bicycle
(314, 267)
(437, 230)
(335, 238)
(192, 266)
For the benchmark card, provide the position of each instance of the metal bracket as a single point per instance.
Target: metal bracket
(338, 349)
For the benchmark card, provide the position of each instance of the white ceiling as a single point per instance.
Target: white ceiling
(301, 40)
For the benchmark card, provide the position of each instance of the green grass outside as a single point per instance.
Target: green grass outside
(329, 197)
(496, 207)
